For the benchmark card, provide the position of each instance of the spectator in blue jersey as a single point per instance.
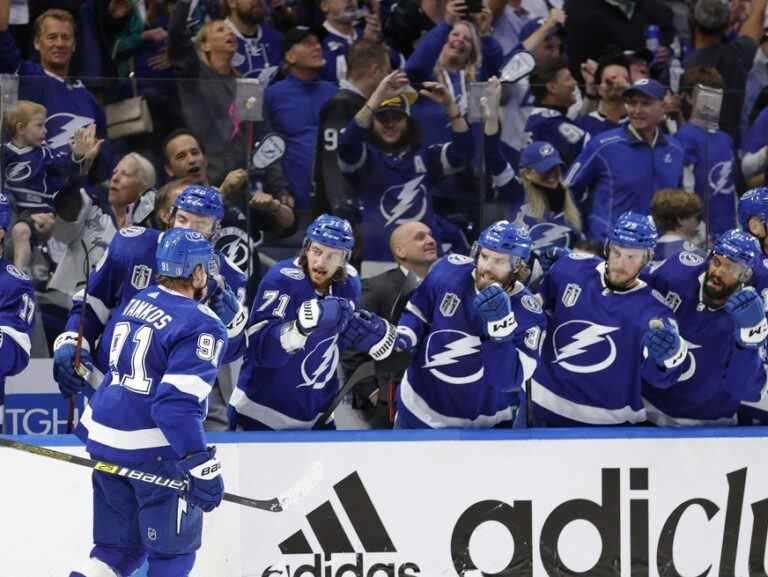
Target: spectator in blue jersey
(343, 27)
(677, 215)
(391, 171)
(553, 90)
(259, 45)
(302, 319)
(70, 106)
(148, 413)
(754, 150)
(535, 197)
(454, 53)
(34, 174)
(723, 323)
(620, 169)
(608, 334)
(474, 331)
(293, 106)
(710, 165)
(611, 79)
(17, 312)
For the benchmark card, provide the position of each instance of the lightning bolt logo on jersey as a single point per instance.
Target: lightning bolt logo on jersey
(587, 341)
(447, 354)
(319, 365)
(401, 204)
(61, 128)
(281, 387)
(459, 378)
(552, 230)
(34, 175)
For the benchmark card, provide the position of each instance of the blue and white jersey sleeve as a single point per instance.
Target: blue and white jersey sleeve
(451, 157)
(17, 312)
(236, 280)
(416, 317)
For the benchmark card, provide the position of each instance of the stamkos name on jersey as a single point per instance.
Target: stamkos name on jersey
(148, 313)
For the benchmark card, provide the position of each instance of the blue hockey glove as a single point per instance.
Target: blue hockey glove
(550, 255)
(495, 310)
(329, 313)
(69, 380)
(369, 333)
(748, 313)
(664, 344)
(202, 471)
(225, 304)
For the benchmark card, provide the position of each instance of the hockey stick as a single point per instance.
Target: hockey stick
(273, 505)
(79, 368)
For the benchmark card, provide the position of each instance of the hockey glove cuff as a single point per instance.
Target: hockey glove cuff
(71, 380)
(495, 310)
(748, 313)
(202, 471)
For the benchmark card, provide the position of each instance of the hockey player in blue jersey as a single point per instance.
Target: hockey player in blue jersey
(392, 174)
(600, 345)
(148, 413)
(302, 313)
(723, 323)
(475, 332)
(129, 266)
(17, 312)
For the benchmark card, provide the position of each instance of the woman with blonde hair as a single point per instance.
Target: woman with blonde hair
(536, 196)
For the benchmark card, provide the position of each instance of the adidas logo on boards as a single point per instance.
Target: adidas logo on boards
(334, 540)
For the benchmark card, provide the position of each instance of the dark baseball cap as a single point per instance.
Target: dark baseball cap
(649, 87)
(296, 36)
(395, 104)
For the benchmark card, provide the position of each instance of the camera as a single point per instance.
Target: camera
(474, 6)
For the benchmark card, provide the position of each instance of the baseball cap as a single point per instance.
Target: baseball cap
(540, 156)
(295, 36)
(649, 87)
(395, 104)
(712, 14)
(532, 26)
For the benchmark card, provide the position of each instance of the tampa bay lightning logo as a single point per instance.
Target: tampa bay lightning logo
(453, 357)
(18, 171)
(546, 234)
(721, 178)
(583, 346)
(319, 365)
(404, 202)
(62, 127)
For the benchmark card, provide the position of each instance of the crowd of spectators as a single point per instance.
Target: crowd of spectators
(390, 112)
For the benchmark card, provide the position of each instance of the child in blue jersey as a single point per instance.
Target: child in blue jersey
(17, 312)
(475, 332)
(677, 216)
(33, 173)
(302, 317)
(387, 167)
(601, 345)
(148, 413)
(724, 326)
(128, 266)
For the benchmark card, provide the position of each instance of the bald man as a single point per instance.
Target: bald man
(415, 250)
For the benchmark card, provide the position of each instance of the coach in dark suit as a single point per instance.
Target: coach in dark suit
(386, 294)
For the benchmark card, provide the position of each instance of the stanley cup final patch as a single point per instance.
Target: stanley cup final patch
(449, 304)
